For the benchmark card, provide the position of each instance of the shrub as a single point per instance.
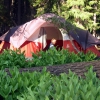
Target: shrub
(45, 86)
(10, 58)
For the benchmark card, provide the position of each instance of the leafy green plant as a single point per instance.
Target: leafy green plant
(54, 57)
(45, 86)
(64, 87)
(10, 58)
(89, 56)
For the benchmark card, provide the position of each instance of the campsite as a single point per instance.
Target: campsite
(27, 67)
(49, 50)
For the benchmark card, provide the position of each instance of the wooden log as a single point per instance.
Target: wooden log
(79, 68)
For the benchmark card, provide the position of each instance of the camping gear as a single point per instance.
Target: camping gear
(34, 35)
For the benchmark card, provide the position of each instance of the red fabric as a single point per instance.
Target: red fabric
(67, 44)
(30, 47)
(4, 45)
(93, 49)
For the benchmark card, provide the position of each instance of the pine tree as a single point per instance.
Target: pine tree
(82, 13)
(45, 6)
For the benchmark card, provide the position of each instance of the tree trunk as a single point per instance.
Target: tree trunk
(94, 31)
(19, 11)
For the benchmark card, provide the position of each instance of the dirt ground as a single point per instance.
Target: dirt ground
(79, 68)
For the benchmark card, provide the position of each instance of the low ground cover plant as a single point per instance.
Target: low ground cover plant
(10, 58)
(46, 86)
(54, 57)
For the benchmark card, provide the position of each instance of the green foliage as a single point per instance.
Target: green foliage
(43, 6)
(45, 86)
(55, 57)
(10, 58)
